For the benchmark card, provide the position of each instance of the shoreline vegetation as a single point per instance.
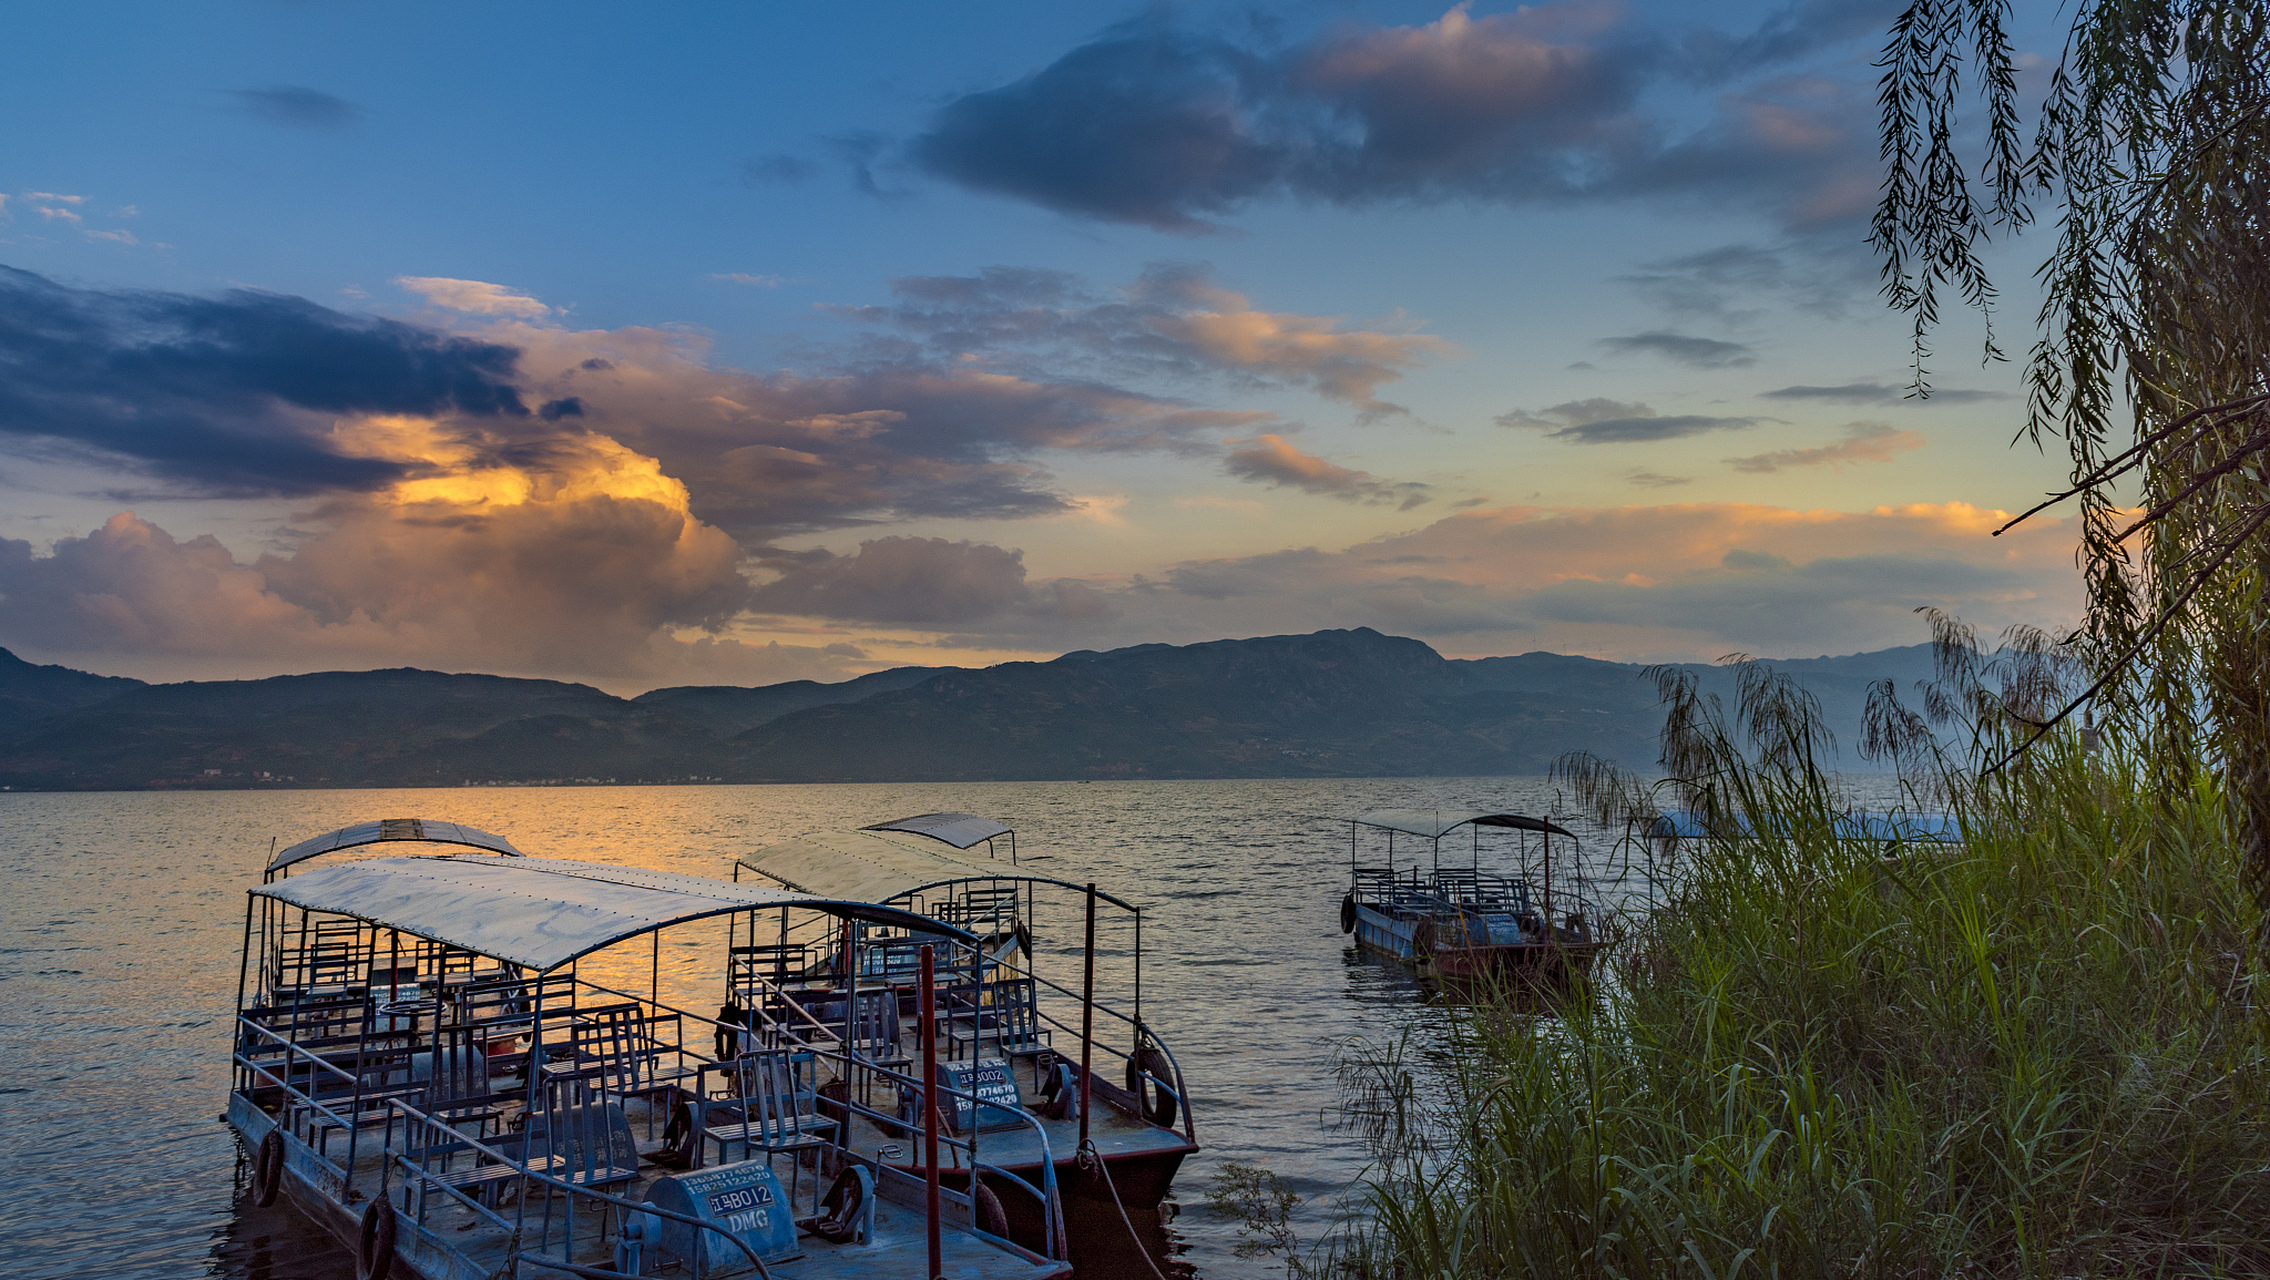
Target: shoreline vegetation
(2035, 1052)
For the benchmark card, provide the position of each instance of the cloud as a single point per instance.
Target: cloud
(1679, 581)
(921, 582)
(1574, 413)
(1271, 460)
(1878, 393)
(578, 560)
(1603, 421)
(1695, 353)
(1738, 283)
(297, 107)
(1652, 480)
(474, 297)
(66, 210)
(1864, 442)
(1163, 127)
(236, 394)
(743, 277)
(1637, 430)
(256, 393)
(1173, 321)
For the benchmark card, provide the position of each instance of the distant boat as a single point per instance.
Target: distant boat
(1465, 923)
(1020, 1026)
(419, 1067)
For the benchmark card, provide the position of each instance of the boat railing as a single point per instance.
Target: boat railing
(440, 1134)
(845, 1061)
(408, 1154)
(306, 1102)
(1145, 1033)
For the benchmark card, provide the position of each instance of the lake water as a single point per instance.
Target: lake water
(119, 933)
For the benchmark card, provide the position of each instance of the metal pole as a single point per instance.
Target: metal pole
(1138, 972)
(244, 966)
(930, 1112)
(1088, 1017)
(1549, 934)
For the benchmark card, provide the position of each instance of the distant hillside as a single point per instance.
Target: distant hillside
(29, 693)
(1336, 703)
(722, 710)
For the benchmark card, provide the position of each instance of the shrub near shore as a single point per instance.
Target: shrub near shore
(2032, 1053)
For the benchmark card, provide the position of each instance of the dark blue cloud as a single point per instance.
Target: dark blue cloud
(227, 394)
(1153, 125)
(297, 107)
(1145, 125)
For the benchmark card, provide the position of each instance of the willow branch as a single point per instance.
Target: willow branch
(2129, 459)
(2159, 624)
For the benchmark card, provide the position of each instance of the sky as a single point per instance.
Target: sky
(730, 344)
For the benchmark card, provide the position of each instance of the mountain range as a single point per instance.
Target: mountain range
(1332, 704)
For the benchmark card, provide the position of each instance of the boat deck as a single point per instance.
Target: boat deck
(436, 1225)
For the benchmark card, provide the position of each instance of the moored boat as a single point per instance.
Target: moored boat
(423, 1068)
(1467, 924)
(1037, 1038)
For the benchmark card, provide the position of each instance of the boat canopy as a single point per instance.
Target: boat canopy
(877, 865)
(1434, 824)
(540, 913)
(363, 833)
(960, 830)
(1684, 825)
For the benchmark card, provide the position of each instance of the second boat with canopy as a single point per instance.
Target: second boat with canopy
(1110, 1094)
(1468, 922)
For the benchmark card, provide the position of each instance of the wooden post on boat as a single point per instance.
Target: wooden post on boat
(1087, 1017)
(930, 1113)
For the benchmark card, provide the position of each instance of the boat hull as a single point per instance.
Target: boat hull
(1402, 940)
(312, 1186)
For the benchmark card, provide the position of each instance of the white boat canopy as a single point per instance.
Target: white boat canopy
(363, 833)
(540, 913)
(1434, 824)
(960, 830)
(879, 865)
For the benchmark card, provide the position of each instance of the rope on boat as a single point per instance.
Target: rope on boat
(1091, 1161)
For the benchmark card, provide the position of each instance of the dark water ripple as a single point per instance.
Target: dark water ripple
(119, 931)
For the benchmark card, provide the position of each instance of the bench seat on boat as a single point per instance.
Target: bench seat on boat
(595, 1148)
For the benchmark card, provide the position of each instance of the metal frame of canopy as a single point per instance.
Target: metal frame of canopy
(901, 865)
(883, 863)
(960, 830)
(477, 904)
(383, 830)
(1432, 825)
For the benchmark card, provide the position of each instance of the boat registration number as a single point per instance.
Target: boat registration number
(734, 1200)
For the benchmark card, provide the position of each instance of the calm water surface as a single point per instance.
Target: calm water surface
(119, 933)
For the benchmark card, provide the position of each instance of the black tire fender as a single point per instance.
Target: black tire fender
(991, 1217)
(1423, 940)
(268, 1169)
(1348, 914)
(1153, 1097)
(374, 1260)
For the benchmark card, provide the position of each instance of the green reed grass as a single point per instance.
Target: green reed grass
(2032, 1054)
